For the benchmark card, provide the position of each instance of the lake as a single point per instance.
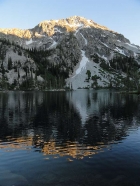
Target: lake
(74, 138)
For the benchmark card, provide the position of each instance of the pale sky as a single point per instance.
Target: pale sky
(122, 16)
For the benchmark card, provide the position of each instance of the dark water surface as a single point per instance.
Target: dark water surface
(83, 138)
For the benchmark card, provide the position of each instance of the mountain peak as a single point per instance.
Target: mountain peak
(76, 17)
(73, 22)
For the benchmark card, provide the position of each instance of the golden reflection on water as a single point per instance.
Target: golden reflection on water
(73, 149)
(12, 144)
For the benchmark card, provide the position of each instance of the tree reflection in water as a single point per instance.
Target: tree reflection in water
(76, 124)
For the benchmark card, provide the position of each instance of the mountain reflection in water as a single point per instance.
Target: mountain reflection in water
(71, 125)
(75, 123)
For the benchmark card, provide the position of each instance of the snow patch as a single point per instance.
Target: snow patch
(74, 25)
(105, 44)
(29, 42)
(132, 45)
(39, 78)
(57, 30)
(83, 63)
(39, 35)
(84, 39)
(53, 44)
(80, 25)
(87, 26)
(105, 58)
(135, 55)
(89, 21)
(120, 51)
(77, 30)
(103, 35)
